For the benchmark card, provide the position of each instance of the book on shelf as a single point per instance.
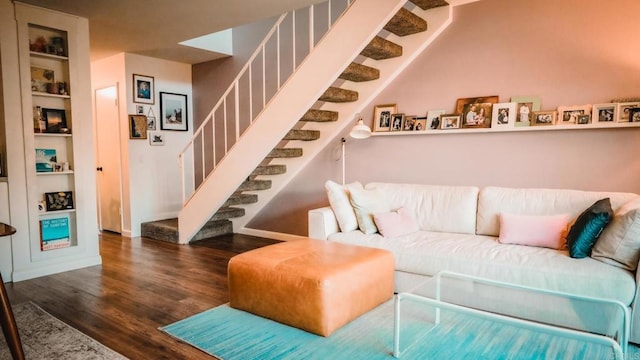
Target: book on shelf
(54, 233)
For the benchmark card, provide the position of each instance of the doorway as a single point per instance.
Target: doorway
(108, 167)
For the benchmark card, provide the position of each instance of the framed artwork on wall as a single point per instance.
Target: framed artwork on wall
(397, 122)
(173, 112)
(569, 114)
(382, 116)
(623, 110)
(605, 113)
(450, 121)
(60, 200)
(476, 111)
(503, 115)
(420, 123)
(541, 118)
(156, 138)
(433, 119)
(143, 89)
(525, 106)
(137, 127)
(56, 120)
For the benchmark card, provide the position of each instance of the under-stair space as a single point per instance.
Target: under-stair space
(392, 45)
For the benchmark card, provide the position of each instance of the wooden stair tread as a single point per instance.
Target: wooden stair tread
(358, 73)
(271, 169)
(167, 230)
(404, 23)
(338, 95)
(380, 49)
(429, 4)
(241, 199)
(320, 115)
(225, 213)
(304, 135)
(250, 185)
(285, 153)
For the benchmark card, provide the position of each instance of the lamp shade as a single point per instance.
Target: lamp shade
(360, 131)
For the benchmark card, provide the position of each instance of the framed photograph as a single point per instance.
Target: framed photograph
(634, 114)
(61, 200)
(503, 115)
(623, 110)
(450, 121)
(433, 119)
(173, 110)
(541, 118)
(41, 79)
(605, 113)
(140, 109)
(409, 122)
(569, 114)
(46, 160)
(151, 120)
(397, 122)
(137, 127)
(420, 123)
(156, 139)
(525, 106)
(143, 89)
(476, 112)
(55, 120)
(382, 116)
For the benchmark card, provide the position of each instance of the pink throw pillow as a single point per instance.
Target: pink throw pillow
(542, 231)
(392, 224)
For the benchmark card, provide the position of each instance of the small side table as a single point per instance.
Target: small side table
(9, 327)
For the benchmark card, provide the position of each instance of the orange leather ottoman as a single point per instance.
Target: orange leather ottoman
(314, 285)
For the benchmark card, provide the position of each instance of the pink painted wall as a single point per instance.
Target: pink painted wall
(568, 52)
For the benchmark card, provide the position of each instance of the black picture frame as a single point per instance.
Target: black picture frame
(60, 200)
(56, 120)
(173, 112)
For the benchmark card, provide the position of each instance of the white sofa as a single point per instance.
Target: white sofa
(459, 227)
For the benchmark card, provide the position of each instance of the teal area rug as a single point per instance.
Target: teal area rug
(231, 334)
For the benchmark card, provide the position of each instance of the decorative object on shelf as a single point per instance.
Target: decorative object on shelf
(55, 120)
(151, 120)
(156, 138)
(420, 123)
(143, 89)
(173, 109)
(41, 79)
(61, 200)
(398, 122)
(54, 46)
(360, 130)
(137, 127)
(433, 119)
(503, 115)
(476, 111)
(54, 233)
(39, 123)
(450, 121)
(42, 206)
(605, 113)
(541, 118)
(623, 110)
(45, 160)
(525, 106)
(569, 114)
(382, 116)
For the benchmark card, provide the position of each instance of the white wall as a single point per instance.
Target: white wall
(150, 174)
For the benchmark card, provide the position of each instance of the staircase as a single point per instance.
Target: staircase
(384, 51)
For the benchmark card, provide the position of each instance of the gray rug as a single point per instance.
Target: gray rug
(45, 337)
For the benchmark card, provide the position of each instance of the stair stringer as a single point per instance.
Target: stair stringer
(438, 19)
(340, 45)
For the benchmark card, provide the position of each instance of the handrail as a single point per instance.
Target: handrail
(205, 149)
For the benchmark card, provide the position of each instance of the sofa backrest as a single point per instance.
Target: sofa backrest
(493, 200)
(435, 208)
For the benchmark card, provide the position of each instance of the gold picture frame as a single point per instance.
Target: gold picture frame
(137, 127)
(543, 118)
(382, 117)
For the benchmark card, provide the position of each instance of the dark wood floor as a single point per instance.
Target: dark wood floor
(142, 284)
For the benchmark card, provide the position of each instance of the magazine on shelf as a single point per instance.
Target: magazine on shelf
(54, 233)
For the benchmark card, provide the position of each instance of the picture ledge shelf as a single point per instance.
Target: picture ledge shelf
(52, 134)
(624, 125)
(65, 211)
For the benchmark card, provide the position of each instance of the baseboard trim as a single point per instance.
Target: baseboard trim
(270, 234)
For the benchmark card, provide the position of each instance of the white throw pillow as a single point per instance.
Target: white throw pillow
(339, 200)
(365, 204)
(395, 223)
(619, 243)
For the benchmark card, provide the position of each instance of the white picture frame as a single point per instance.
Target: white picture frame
(568, 115)
(503, 115)
(156, 138)
(604, 114)
(623, 110)
(433, 119)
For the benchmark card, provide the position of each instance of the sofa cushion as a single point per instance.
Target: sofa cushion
(395, 223)
(365, 204)
(434, 207)
(339, 200)
(494, 200)
(546, 231)
(619, 244)
(427, 253)
(588, 227)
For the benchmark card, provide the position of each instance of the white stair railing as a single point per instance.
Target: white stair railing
(284, 48)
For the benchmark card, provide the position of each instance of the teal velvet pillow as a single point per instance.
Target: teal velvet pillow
(588, 227)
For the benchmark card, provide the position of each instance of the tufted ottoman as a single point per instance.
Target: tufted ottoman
(314, 285)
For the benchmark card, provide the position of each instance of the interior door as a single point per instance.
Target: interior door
(108, 166)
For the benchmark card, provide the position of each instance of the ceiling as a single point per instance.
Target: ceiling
(154, 28)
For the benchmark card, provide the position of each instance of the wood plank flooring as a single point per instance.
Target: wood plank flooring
(142, 284)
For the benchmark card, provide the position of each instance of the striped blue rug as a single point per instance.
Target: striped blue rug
(231, 334)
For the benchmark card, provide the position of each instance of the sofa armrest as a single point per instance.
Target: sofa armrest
(322, 223)
(634, 335)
